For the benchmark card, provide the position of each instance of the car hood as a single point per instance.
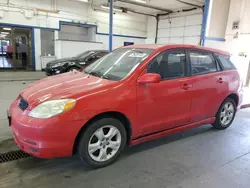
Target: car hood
(62, 60)
(66, 85)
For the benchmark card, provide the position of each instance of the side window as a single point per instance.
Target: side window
(225, 62)
(202, 63)
(169, 64)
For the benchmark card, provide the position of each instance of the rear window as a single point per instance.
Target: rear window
(225, 62)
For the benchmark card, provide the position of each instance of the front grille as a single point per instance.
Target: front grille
(23, 104)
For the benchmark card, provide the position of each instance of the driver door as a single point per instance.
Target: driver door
(165, 105)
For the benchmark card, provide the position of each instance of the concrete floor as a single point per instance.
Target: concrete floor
(198, 158)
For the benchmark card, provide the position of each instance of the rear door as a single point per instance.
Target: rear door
(209, 85)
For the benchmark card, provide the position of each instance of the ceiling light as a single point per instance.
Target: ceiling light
(5, 33)
(106, 7)
(7, 29)
(140, 1)
(84, 1)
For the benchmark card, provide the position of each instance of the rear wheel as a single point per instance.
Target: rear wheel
(102, 142)
(225, 114)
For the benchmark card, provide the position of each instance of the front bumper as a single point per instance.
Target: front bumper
(43, 138)
(54, 71)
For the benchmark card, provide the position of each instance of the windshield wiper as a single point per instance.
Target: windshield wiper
(95, 73)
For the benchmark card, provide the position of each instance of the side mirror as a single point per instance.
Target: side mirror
(149, 78)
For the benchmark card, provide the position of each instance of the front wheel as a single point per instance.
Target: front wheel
(225, 114)
(71, 69)
(102, 142)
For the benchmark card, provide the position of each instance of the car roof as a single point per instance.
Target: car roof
(170, 46)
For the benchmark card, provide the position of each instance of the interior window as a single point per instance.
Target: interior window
(169, 64)
(225, 62)
(202, 63)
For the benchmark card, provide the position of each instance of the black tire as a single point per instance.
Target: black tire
(73, 68)
(218, 122)
(87, 135)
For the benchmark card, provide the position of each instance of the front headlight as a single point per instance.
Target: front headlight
(52, 108)
(58, 65)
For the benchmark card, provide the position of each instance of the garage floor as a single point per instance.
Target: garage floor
(199, 158)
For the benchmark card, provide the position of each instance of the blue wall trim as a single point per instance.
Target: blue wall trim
(215, 39)
(204, 21)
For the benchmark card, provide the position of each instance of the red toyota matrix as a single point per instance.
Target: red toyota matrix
(132, 95)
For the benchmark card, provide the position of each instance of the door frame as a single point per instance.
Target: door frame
(32, 54)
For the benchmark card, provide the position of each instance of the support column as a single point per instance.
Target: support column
(110, 25)
(204, 22)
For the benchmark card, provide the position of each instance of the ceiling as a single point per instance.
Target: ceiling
(161, 6)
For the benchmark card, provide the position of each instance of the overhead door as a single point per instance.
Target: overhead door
(180, 29)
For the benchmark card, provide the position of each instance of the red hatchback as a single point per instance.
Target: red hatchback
(132, 95)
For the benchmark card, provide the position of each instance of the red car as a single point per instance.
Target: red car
(132, 95)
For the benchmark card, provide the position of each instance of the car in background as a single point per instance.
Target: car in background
(75, 63)
(132, 95)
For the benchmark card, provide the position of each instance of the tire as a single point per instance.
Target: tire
(225, 114)
(72, 69)
(97, 136)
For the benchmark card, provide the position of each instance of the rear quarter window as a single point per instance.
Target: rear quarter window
(225, 62)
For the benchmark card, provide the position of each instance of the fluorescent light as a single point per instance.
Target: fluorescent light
(84, 1)
(140, 1)
(5, 33)
(7, 29)
(106, 7)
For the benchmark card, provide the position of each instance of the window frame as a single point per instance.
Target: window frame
(217, 64)
(168, 51)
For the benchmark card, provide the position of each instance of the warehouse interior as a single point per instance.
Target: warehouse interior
(34, 33)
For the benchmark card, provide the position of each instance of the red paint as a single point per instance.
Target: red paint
(153, 109)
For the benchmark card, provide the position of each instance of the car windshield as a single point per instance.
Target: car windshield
(84, 54)
(118, 64)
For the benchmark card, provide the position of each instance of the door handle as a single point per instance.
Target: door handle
(220, 80)
(186, 86)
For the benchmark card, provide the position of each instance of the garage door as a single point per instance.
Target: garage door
(180, 29)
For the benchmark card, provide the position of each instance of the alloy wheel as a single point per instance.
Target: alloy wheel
(104, 143)
(227, 113)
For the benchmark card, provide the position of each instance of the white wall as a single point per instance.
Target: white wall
(180, 28)
(218, 18)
